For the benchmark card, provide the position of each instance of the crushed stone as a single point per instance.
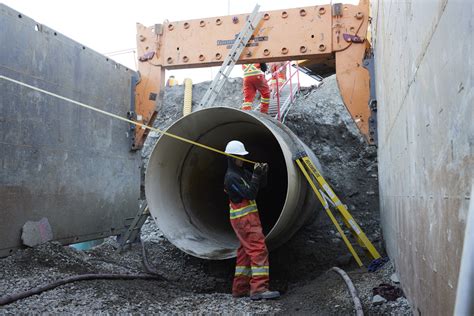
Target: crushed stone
(298, 268)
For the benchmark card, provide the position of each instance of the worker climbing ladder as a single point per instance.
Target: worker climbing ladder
(240, 43)
(327, 197)
(132, 232)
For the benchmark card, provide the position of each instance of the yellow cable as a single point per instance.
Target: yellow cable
(127, 120)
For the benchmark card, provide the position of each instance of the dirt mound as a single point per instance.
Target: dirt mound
(298, 268)
(46, 263)
(320, 119)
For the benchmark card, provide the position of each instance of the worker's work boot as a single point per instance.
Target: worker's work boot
(267, 295)
(238, 295)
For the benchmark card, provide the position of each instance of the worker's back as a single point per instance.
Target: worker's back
(251, 70)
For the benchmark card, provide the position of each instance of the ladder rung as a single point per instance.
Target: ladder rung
(329, 195)
(229, 62)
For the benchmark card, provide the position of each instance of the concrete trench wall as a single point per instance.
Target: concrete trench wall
(424, 69)
(57, 160)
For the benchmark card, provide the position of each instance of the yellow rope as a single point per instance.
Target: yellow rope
(127, 120)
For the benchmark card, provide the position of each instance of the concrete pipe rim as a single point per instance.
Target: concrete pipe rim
(184, 127)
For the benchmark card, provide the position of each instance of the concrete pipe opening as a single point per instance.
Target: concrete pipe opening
(184, 183)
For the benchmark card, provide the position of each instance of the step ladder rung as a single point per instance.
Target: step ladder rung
(327, 197)
(132, 231)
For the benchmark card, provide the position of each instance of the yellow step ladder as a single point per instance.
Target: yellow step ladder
(327, 197)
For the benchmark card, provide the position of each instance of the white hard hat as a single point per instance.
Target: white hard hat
(235, 147)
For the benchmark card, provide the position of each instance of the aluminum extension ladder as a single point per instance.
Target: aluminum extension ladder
(234, 54)
(131, 234)
(326, 195)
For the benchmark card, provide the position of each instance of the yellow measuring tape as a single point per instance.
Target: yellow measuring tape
(127, 120)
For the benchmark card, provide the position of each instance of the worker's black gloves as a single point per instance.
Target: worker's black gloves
(260, 169)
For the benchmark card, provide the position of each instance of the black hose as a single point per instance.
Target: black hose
(146, 265)
(352, 290)
(152, 275)
(7, 299)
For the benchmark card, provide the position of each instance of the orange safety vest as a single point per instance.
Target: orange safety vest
(251, 70)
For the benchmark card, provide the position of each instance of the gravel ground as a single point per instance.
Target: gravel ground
(191, 289)
(194, 286)
(298, 268)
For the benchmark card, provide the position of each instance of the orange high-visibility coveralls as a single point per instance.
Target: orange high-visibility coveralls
(281, 75)
(254, 80)
(252, 266)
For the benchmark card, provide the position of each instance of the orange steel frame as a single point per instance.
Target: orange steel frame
(322, 34)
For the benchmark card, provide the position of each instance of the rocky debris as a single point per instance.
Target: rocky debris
(173, 101)
(197, 286)
(36, 233)
(378, 300)
(365, 285)
(328, 295)
(394, 278)
(298, 268)
(344, 260)
(388, 291)
(320, 119)
(195, 289)
(150, 232)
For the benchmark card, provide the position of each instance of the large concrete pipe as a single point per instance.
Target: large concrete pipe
(184, 183)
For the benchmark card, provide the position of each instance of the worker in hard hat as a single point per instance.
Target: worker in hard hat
(252, 267)
(254, 80)
(171, 81)
(279, 76)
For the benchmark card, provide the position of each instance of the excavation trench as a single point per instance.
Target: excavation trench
(184, 183)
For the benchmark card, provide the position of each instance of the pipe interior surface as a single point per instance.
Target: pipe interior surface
(184, 183)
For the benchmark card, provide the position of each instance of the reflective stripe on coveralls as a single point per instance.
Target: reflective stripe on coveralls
(252, 254)
(252, 271)
(251, 70)
(264, 100)
(237, 213)
(281, 81)
(247, 106)
(243, 270)
(262, 270)
(264, 105)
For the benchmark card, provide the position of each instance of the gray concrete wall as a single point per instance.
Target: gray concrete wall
(424, 67)
(57, 160)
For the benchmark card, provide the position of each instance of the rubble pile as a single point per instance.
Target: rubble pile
(298, 268)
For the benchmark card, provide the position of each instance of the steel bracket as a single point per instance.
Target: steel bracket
(369, 64)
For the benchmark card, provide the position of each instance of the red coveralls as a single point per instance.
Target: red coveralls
(254, 80)
(281, 75)
(252, 268)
